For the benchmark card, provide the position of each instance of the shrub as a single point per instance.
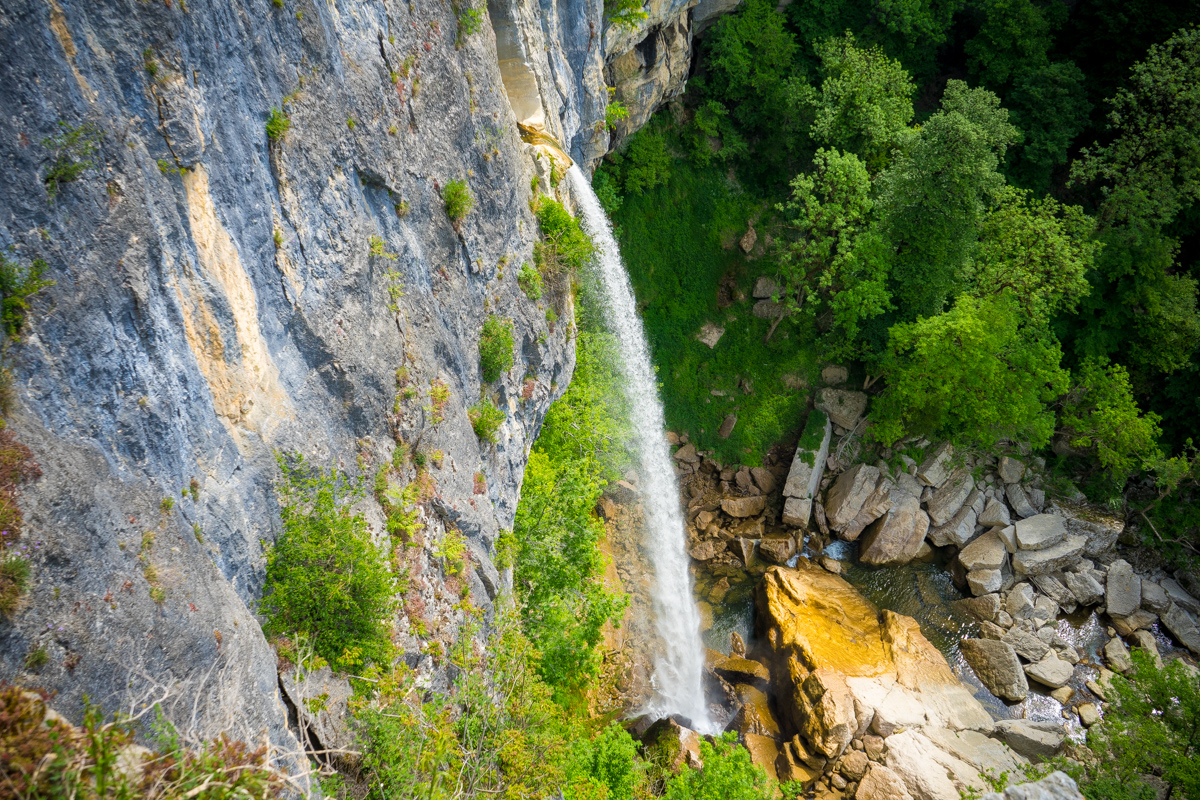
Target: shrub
(564, 244)
(728, 774)
(73, 149)
(470, 19)
(325, 577)
(496, 348)
(486, 420)
(614, 113)
(278, 123)
(439, 396)
(458, 200)
(18, 284)
(530, 281)
(626, 13)
(378, 250)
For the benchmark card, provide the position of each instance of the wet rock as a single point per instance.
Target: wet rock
(950, 496)
(1183, 627)
(1010, 470)
(742, 507)
(1051, 671)
(843, 406)
(1122, 589)
(895, 537)
(1063, 694)
(996, 665)
(754, 715)
(986, 552)
(881, 783)
(935, 468)
(1019, 501)
(1052, 559)
(764, 752)
(710, 334)
(1034, 740)
(1039, 532)
(1117, 655)
(834, 375)
(706, 550)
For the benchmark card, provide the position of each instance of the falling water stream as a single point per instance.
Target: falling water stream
(678, 669)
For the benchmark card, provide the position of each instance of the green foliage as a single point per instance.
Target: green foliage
(645, 162)
(72, 149)
(564, 245)
(830, 264)
(934, 196)
(559, 568)
(439, 396)
(278, 123)
(625, 13)
(614, 112)
(486, 419)
(728, 774)
(325, 578)
(607, 190)
(530, 281)
(974, 374)
(457, 198)
(1151, 727)
(865, 104)
(1051, 108)
(18, 284)
(604, 767)
(470, 20)
(378, 249)
(495, 348)
(1015, 36)
(14, 580)
(1100, 414)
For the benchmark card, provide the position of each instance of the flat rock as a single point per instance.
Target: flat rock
(950, 496)
(727, 426)
(1122, 589)
(1053, 588)
(710, 334)
(1010, 470)
(1102, 528)
(935, 469)
(744, 506)
(986, 552)
(984, 581)
(1052, 559)
(895, 537)
(1055, 786)
(742, 670)
(843, 406)
(1034, 740)
(1026, 644)
(1051, 671)
(1019, 501)
(881, 783)
(1040, 531)
(1183, 627)
(997, 666)
(995, 514)
(848, 493)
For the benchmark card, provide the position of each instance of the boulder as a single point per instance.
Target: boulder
(1183, 627)
(935, 469)
(1117, 655)
(765, 288)
(1138, 620)
(1040, 531)
(754, 716)
(706, 550)
(1122, 589)
(983, 608)
(881, 783)
(1154, 597)
(687, 454)
(895, 537)
(924, 768)
(744, 506)
(854, 765)
(1087, 591)
(843, 406)
(1051, 671)
(950, 496)
(1101, 528)
(986, 552)
(764, 479)
(1145, 640)
(958, 531)
(797, 512)
(995, 514)
(1052, 559)
(997, 666)
(1055, 786)
(710, 334)
(985, 581)
(808, 464)
(727, 426)
(1026, 644)
(1089, 715)
(1019, 501)
(777, 549)
(1053, 588)
(1019, 603)
(835, 375)
(764, 752)
(1181, 598)
(1034, 740)
(737, 669)
(1008, 535)
(848, 493)
(1010, 470)
(768, 309)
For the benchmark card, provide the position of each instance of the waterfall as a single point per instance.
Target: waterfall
(678, 671)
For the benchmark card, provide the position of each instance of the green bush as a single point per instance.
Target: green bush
(18, 283)
(486, 420)
(277, 124)
(605, 766)
(457, 197)
(326, 579)
(728, 774)
(72, 149)
(530, 281)
(495, 348)
(564, 245)
(627, 13)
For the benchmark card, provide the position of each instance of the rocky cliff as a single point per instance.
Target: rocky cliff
(222, 295)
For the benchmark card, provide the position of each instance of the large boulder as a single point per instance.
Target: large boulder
(1102, 528)
(1055, 786)
(1040, 531)
(881, 783)
(808, 464)
(986, 552)
(1183, 627)
(935, 469)
(878, 503)
(958, 531)
(1036, 740)
(1010, 469)
(895, 537)
(1052, 559)
(998, 668)
(950, 497)
(995, 514)
(843, 406)
(1026, 644)
(1019, 500)
(744, 506)
(848, 493)
(1122, 589)
(1051, 671)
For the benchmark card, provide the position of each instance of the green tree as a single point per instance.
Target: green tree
(865, 104)
(974, 374)
(326, 579)
(1100, 415)
(933, 198)
(1040, 250)
(1050, 106)
(728, 774)
(605, 766)
(831, 264)
(1014, 36)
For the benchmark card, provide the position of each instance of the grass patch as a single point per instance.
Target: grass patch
(679, 243)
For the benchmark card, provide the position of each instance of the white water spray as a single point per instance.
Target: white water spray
(678, 671)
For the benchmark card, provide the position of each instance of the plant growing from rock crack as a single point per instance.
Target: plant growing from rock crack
(377, 248)
(278, 123)
(564, 245)
(530, 281)
(625, 13)
(496, 348)
(457, 197)
(18, 284)
(73, 148)
(439, 396)
(486, 420)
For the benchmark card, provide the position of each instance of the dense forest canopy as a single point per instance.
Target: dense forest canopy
(989, 206)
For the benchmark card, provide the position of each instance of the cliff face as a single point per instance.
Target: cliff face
(220, 297)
